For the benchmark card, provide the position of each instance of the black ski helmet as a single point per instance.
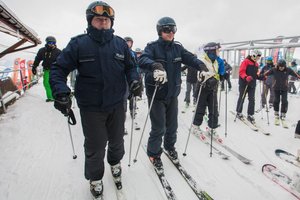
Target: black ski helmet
(211, 47)
(50, 39)
(281, 63)
(293, 63)
(128, 39)
(106, 11)
(165, 21)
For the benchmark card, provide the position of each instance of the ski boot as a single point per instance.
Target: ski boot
(283, 122)
(173, 155)
(214, 134)
(116, 171)
(196, 130)
(157, 163)
(240, 116)
(251, 119)
(96, 188)
(277, 119)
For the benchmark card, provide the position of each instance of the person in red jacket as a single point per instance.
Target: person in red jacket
(247, 84)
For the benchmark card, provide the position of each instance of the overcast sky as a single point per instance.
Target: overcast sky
(198, 21)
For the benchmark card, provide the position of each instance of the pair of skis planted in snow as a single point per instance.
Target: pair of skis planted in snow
(202, 137)
(253, 127)
(170, 194)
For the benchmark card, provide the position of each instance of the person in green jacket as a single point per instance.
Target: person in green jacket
(48, 55)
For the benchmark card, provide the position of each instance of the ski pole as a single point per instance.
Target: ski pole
(242, 100)
(132, 123)
(220, 101)
(199, 93)
(267, 109)
(262, 92)
(150, 106)
(69, 126)
(212, 122)
(226, 109)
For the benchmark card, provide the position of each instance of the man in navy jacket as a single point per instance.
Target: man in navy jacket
(161, 62)
(104, 64)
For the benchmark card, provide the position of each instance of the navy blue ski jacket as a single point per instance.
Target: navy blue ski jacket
(171, 55)
(103, 69)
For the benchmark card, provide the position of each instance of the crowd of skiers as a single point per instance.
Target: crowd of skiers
(109, 72)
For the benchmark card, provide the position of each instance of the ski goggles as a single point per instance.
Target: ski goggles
(169, 29)
(258, 55)
(51, 43)
(100, 10)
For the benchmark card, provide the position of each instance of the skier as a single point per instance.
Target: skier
(104, 64)
(297, 130)
(132, 103)
(281, 73)
(161, 61)
(208, 97)
(191, 80)
(247, 84)
(292, 88)
(228, 70)
(48, 55)
(267, 83)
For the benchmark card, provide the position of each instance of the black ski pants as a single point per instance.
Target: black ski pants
(244, 90)
(280, 95)
(100, 129)
(164, 123)
(209, 99)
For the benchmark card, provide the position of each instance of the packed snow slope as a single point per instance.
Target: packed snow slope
(36, 154)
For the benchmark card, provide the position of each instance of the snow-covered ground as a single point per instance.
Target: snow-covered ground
(36, 155)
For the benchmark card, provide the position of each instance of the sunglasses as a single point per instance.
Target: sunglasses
(169, 29)
(100, 10)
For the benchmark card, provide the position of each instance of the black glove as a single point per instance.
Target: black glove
(135, 88)
(63, 103)
(33, 70)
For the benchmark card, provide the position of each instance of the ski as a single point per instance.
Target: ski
(288, 157)
(230, 150)
(164, 182)
(254, 127)
(245, 121)
(201, 194)
(281, 179)
(203, 139)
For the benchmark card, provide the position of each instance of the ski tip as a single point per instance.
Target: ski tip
(267, 166)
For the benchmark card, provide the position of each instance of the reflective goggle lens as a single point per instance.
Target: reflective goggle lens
(169, 29)
(100, 10)
(51, 43)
